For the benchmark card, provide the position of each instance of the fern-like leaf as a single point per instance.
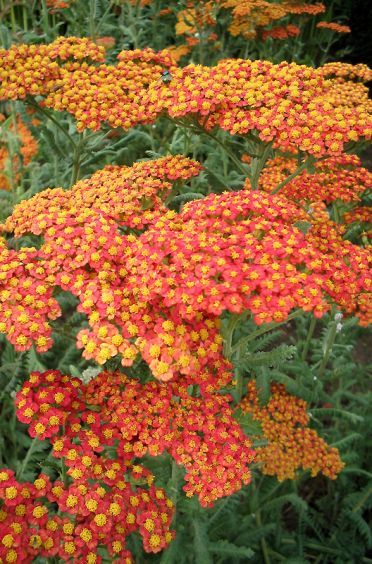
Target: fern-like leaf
(228, 549)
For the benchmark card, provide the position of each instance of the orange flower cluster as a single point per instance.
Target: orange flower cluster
(55, 5)
(346, 71)
(248, 16)
(95, 94)
(334, 27)
(283, 32)
(361, 214)
(286, 103)
(34, 69)
(137, 419)
(28, 147)
(290, 105)
(142, 3)
(195, 17)
(292, 445)
(346, 85)
(293, 7)
(340, 177)
(160, 293)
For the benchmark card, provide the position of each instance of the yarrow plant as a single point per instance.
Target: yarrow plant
(171, 288)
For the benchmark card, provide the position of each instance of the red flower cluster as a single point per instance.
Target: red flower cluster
(77, 519)
(336, 178)
(26, 301)
(241, 251)
(161, 292)
(291, 443)
(136, 419)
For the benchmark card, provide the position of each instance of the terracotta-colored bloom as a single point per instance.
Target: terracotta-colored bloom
(334, 27)
(292, 444)
(28, 147)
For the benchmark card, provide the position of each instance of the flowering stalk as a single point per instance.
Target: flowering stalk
(308, 338)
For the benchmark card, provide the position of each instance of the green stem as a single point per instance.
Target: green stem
(201, 542)
(258, 164)
(78, 153)
(45, 15)
(92, 20)
(237, 162)
(308, 338)
(239, 385)
(25, 18)
(231, 326)
(27, 458)
(301, 168)
(264, 547)
(13, 19)
(64, 472)
(336, 213)
(330, 340)
(40, 109)
(103, 17)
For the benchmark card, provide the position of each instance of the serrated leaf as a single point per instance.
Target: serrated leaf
(336, 412)
(303, 226)
(248, 424)
(34, 364)
(226, 548)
